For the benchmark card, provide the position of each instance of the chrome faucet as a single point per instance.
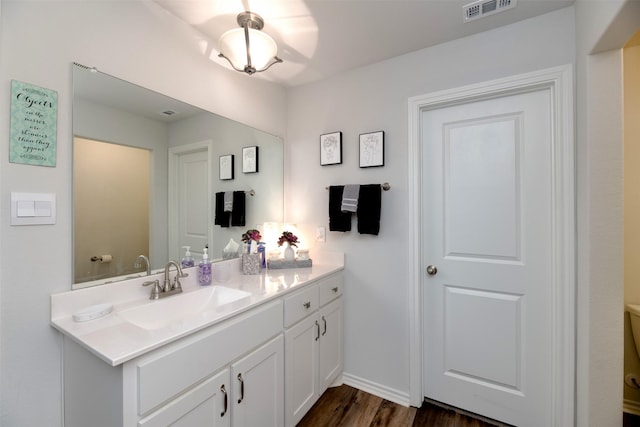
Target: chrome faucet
(138, 263)
(168, 288)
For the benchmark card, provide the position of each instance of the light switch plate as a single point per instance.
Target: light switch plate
(33, 208)
(321, 234)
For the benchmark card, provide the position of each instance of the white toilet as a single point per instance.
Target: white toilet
(634, 315)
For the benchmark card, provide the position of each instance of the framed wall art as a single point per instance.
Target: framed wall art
(331, 149)
(372, 149)
(34, 120)
(250, 160)
(226, 167)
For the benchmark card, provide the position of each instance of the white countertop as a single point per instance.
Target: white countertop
(116, 340)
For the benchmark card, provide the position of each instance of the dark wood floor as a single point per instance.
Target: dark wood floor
(350, 407)
(630, 420)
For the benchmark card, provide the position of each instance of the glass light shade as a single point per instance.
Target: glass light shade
(263, 49)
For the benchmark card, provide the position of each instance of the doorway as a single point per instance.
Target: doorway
(631, 221)
(112, 213)
(511, 310)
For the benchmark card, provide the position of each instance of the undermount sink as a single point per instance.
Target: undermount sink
(156, 314)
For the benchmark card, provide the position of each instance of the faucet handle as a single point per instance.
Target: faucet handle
(156, 290)
(176, 282)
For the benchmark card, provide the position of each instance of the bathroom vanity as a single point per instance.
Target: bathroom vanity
(254, 350)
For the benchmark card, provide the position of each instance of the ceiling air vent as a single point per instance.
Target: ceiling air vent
(481, 8)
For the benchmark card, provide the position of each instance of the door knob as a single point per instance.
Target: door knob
(432, 270)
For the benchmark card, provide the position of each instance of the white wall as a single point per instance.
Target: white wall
(377, 288)
(39, 41)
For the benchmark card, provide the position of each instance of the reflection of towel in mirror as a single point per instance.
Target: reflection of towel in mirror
(369, 209)
(221, 217)
(238, 214)
(338, 220)
(350, 198)
(228, 201)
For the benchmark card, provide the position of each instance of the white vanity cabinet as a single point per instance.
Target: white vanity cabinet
(264, 364)
(185, 383)
(249, 393)
(313, 344)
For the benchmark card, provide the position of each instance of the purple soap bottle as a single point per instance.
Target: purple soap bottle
(204, 269)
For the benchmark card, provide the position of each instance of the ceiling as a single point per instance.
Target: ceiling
(321, 38)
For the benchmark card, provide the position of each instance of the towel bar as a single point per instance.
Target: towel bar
(385, 186)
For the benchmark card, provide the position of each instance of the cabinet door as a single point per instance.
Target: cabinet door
(258, 386)
(207, 404)
(301, 369)
(331, 346)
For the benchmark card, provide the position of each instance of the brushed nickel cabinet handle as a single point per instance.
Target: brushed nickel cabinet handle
(325, 326)
(241, 388)
(307, 305)
(335, 289)
(226, 402)
(317, 330)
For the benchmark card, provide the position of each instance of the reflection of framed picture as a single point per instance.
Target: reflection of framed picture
(371, 149)
(226, 167)
(331, 149)
(250, 159)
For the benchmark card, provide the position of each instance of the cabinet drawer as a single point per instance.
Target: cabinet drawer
(330, 288)
(167, 372)
(300, 305)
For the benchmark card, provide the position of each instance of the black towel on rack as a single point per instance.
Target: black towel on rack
(369, 206)
(221, 217)
(238, 214)
(338, 220)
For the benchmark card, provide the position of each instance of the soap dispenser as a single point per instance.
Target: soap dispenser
(187, 261)
(204, 269)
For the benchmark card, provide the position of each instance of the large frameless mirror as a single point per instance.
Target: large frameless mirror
(146, 171)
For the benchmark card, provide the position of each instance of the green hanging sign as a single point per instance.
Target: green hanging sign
(34, 117)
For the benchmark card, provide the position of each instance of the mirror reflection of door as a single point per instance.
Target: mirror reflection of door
(111, 186)
(189, 178)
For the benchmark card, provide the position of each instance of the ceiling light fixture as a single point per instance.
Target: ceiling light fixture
(248, 49)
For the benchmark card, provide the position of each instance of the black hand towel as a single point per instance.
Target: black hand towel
(369, 203)
(221, 217)
(238, 212)
(338, 220)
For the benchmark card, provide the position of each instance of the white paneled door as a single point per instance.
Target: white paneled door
(488, 268)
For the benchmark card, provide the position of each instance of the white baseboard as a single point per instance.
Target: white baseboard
(631, 406)
(395, 396)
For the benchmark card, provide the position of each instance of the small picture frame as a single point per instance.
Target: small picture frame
(226, 167)
(372, 149)
(250, 159)
(331, 149)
